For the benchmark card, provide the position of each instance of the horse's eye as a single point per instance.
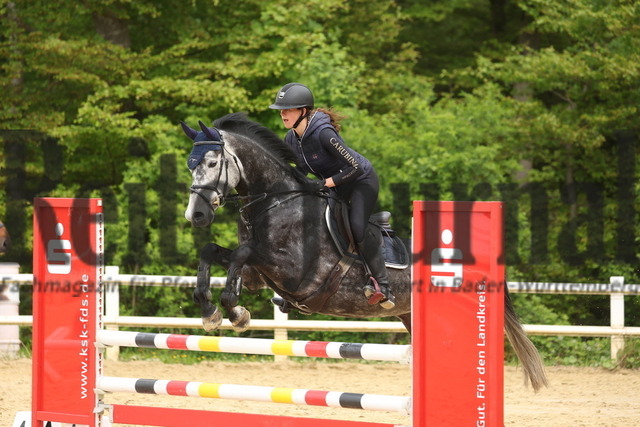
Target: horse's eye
(212, 164)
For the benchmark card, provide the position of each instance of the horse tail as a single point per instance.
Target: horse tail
(524, 348)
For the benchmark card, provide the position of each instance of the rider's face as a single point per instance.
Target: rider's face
(289, 116)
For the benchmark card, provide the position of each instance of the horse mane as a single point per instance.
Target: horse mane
(239, 123)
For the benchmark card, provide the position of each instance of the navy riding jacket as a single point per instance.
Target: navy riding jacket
(322, 152)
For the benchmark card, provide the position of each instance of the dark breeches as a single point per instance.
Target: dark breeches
(363, 196)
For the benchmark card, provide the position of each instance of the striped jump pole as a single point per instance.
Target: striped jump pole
(335, 399)
(322, 349)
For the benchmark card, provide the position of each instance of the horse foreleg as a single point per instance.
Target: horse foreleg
(238, 315)
(210, 254)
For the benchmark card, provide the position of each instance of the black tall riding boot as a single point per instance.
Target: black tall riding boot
(371, 251)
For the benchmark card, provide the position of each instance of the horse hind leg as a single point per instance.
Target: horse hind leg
(406, 321)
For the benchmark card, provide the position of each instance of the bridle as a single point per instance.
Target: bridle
(224, 170)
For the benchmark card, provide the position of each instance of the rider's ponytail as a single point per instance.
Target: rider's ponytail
(334, 116)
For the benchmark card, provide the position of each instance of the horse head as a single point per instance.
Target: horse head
(214, 176)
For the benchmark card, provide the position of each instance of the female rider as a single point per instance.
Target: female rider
(314, 138)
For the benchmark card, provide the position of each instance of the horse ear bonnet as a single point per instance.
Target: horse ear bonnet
(209, 139)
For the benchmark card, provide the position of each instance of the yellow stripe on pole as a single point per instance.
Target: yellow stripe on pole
(282, 347)
(282, 395)
(209, 344)
(209, 390)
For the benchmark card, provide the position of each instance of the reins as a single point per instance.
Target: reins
(255, 198)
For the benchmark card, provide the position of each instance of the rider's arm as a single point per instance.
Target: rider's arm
(349, 167)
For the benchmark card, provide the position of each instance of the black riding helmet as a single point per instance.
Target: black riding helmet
(293, 95)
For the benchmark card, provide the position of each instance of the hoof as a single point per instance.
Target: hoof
(213, 322)
(240, 318)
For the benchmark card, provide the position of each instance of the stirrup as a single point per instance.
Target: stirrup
(373, 292)
(375, 295)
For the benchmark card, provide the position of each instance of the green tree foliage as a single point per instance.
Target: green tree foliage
(534, 102)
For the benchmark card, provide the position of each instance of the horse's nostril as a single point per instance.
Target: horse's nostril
(198, 215)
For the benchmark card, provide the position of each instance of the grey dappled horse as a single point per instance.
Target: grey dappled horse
(283, 240)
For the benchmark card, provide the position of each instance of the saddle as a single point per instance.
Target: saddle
(337, 220)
